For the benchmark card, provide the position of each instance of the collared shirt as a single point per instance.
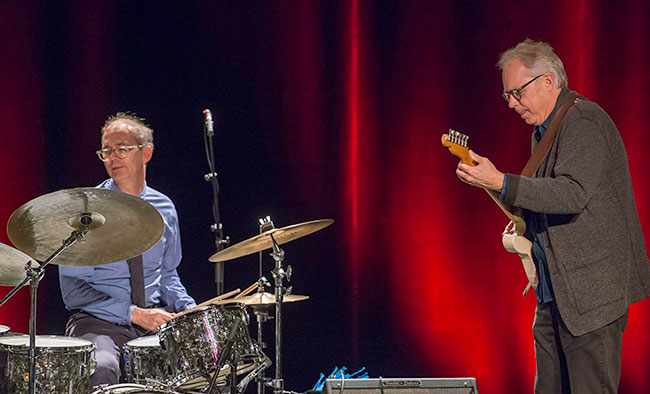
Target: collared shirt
(544, 291)
(104, 291)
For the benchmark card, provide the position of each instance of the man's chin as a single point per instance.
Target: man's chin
(528, 118)
(116, 175)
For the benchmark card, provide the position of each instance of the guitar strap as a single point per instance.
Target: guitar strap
(547, 140)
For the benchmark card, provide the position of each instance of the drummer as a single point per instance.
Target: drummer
(112, 304)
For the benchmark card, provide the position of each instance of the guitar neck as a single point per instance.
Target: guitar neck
(457, 145)
(509, 210)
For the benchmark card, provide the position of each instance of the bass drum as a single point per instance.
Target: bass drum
(130, 388)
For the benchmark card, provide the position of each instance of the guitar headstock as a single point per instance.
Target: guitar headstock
(457, 144)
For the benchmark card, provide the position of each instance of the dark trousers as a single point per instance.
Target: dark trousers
(589, 363)
(108, 338)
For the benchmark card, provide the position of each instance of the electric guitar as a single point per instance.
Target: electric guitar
(513, 238)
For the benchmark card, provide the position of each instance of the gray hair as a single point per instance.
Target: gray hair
(538, 57)
(141, 131)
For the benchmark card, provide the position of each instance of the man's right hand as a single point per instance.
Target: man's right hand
(150, 319)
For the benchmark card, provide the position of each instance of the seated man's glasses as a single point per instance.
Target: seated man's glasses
(120, 151)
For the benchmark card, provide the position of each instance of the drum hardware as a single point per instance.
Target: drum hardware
(37, 227)
(226, 356)
(271, 237)
(264, 363)
(34, 275)
(262, 316)
(12, 265)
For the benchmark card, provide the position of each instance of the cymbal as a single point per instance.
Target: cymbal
(265, 299)
(263, 241)
(122, 226)
(12, 265)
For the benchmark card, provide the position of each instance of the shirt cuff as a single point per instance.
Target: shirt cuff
(502, 195)
(128, 317)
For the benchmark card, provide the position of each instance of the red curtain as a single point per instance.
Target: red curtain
(22, 130)
(454, 293)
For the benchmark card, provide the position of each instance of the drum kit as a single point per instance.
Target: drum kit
(202, 350)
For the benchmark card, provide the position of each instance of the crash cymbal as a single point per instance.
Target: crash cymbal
(12, 265)
(263, 241)
(122, 226)
(266, 299)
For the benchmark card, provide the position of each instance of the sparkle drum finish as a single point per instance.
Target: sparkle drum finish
(63, 364)
(195, 341)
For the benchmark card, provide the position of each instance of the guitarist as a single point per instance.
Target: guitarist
(581, 217)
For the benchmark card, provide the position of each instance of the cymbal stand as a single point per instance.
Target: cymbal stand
(278, 274)
(34, 275)
(262, 316)
(262, 312)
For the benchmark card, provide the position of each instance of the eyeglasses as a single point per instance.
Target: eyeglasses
(120, 151)
(516, 92)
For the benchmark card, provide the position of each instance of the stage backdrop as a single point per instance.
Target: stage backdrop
(325, 110)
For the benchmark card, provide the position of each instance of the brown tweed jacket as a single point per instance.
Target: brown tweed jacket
(595, 250)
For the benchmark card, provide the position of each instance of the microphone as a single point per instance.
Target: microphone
(209, 124)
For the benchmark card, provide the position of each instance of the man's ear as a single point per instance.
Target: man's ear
(549, 81)
(147, 153)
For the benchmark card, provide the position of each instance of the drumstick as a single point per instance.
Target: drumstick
(248, 290)
(208, 302)
(224, 295)
(218, 298)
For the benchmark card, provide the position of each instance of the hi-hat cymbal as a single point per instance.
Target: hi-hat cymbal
(265, 299)
(263, 241)
(122, 226)
(12, 265)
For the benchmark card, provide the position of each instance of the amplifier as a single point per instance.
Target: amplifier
(401, 386)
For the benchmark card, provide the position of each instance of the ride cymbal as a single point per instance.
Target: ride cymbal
(12, 265)
(263, 241)
(121, 226)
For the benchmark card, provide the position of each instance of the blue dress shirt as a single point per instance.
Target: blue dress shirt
(104, 291)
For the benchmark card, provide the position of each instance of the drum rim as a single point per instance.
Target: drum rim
(87, 345)
(201, 310)
(136, 386)
(141, 339)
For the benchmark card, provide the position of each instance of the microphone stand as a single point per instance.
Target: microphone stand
(220, 241)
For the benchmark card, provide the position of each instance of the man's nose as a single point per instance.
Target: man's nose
(512, 102)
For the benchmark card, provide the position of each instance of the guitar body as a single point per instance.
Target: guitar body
(513, 236)
(523, 247)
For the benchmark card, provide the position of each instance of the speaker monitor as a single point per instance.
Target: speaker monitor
(401, 386)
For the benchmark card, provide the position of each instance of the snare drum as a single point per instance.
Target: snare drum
(63, 364)
(194, 342)
(130, 388)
